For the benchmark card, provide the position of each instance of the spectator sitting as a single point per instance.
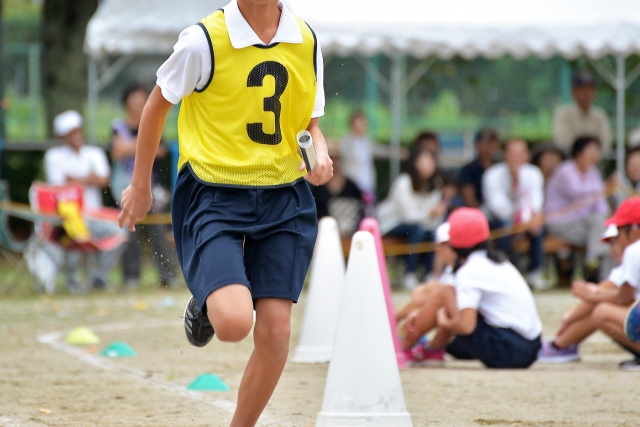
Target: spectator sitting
(490, 310)
(487, 146)
(414, 208)
(443, 254)
(77, 163)
(577, 324)
(340, 198)
(576, 207)
(547, 158)
(632, 169)
(581, 117)
(514, 194)
(123, 150)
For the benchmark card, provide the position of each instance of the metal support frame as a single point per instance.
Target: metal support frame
(620, 81)
(101, 74)
(397, 86)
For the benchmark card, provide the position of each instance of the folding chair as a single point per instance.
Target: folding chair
(63, 239)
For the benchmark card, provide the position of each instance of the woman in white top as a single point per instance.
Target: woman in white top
(495, 319)
(414, 208)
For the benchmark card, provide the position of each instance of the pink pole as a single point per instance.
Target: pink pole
(371, 225)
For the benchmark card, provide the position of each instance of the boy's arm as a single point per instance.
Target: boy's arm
(323, 171)
(606, 291)
(136, 198)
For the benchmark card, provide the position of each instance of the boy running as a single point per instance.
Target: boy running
(250, 78)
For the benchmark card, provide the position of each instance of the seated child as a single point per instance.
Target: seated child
(444, 255)
(576, 324)
(610, 317)
(490, 311)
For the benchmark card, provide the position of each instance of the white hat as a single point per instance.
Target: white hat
(442, 233)
(611, 231)
(65, 122)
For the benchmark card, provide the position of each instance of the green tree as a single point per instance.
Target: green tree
(64, 64)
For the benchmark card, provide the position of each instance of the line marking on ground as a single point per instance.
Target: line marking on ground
(53, 339)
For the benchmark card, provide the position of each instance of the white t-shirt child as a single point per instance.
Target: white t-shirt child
(499, 293)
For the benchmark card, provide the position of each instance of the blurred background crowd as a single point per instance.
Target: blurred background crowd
(528, 141)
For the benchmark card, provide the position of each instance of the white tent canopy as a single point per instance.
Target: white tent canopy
(469, 28)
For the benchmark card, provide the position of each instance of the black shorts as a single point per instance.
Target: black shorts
(495, 347)
(260, 238)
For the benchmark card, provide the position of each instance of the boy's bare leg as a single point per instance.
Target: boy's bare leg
(575, 333)
(271, 338)
(418, 297)
(609, 318)
(230, 311)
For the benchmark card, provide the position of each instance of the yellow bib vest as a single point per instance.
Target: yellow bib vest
(240, 129)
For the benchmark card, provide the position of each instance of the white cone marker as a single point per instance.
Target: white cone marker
(363, 384)
(326, 286)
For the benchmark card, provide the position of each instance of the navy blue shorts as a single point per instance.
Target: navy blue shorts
(260, 238)
(495, 347)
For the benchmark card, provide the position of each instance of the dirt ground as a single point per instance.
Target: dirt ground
(46, 383)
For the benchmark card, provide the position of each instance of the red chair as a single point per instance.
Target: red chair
(62, 229)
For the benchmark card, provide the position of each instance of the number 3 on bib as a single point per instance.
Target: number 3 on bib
(272, 103)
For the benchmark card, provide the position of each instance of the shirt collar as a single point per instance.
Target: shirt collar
(242, 35)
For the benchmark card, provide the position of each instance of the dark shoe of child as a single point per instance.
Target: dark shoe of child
(631, 365)
(197, 327)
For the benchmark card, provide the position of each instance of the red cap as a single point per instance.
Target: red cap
(628, 213)
(468, 228)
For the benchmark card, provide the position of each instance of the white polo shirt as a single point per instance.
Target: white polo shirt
(631, 267)
(63, 162)
(189, 66)
(501, 199)
(499, 293)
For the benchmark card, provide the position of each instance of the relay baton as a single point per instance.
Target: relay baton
(307, 150)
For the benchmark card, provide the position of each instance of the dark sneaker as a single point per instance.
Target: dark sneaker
(99, 283)
(196, 325)
(631, 365)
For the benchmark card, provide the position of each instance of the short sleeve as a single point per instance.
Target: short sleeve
(631, 267)
(466, 175)
(467, 297)
(100, 164)
(53, 173)
(617, 276)
(318, 107)
(189, 66)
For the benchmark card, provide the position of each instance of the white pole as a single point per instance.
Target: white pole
(396, 114)
(620, 92)
(92, 101)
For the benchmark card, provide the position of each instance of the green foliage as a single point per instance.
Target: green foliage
(22, 10)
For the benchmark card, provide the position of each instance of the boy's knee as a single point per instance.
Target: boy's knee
(274, 336)
(600, 314)
(232, 327)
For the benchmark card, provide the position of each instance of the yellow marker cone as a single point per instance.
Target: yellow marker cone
(82, 336)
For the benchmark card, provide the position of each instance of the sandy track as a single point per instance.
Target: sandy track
(149, 390)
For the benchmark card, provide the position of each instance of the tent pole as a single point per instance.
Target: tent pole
(396, 113)
(92, 101)
(620, 113)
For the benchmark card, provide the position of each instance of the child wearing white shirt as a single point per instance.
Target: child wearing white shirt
(495, 319)
(576, 324)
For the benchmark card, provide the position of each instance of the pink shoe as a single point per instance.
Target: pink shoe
(421, 355)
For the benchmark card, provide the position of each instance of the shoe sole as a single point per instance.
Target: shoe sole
(187, 327)
(559, 359)
(427, 364)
